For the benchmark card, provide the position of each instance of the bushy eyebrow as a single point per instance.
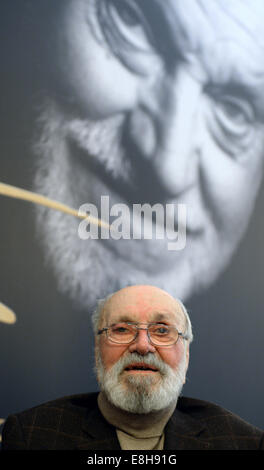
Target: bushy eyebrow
(155, 318)
(124, 318)
(161, 317)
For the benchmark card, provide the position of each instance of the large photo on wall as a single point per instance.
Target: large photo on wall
(145, 117)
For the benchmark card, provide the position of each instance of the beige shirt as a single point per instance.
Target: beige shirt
(136, 431)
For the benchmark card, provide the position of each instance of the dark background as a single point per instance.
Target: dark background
(49, 351)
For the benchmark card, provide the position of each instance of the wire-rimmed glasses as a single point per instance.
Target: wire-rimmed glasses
(159, 334)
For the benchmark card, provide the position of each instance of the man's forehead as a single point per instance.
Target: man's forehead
(196, 26)
(143, 304)
(203, 18)
(221, 40)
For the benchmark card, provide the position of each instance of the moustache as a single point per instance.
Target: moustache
(137, 361)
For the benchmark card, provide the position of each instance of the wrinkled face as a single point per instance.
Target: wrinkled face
(159, 102)
(140, 374)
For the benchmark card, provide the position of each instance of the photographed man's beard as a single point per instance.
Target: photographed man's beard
(90, 269)
(138, 393)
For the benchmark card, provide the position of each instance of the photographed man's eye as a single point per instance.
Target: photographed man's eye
(234, 113)
(130, 23)
(119, 329)
(124, 25)
(128, 33)
(161, 330)
(231, 122)
(127, 13)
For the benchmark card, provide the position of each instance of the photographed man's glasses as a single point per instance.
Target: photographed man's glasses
(158, 333)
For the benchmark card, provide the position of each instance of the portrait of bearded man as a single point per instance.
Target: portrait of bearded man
(146, 102)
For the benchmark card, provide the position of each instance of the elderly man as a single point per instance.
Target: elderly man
(142, 345)
(148, 102)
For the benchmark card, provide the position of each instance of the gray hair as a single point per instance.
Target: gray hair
(96, 317)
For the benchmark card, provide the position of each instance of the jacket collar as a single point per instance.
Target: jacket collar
(182, 432)
(185, 433)
(98, 433)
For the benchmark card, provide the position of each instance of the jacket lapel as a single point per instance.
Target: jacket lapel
(97, 434)
(182, 432)
(185, 433)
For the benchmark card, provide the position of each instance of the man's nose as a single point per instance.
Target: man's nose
(175, 117)
(141, 344)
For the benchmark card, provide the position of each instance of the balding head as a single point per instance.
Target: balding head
(132, 301)
(144, 373)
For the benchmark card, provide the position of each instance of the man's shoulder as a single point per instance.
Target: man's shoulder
(53, 424)
(78, 403)
(215, 416)
(52, 414)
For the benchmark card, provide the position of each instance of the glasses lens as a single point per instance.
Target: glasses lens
(122, 333)
(163, 334)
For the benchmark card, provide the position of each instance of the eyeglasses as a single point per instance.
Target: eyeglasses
(158, 333)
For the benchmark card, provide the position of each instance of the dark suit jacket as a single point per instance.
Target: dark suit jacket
(76, 422)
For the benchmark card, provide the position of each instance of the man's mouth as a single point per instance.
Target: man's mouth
(140, 367)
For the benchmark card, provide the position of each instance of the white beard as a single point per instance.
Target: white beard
(140, 394)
